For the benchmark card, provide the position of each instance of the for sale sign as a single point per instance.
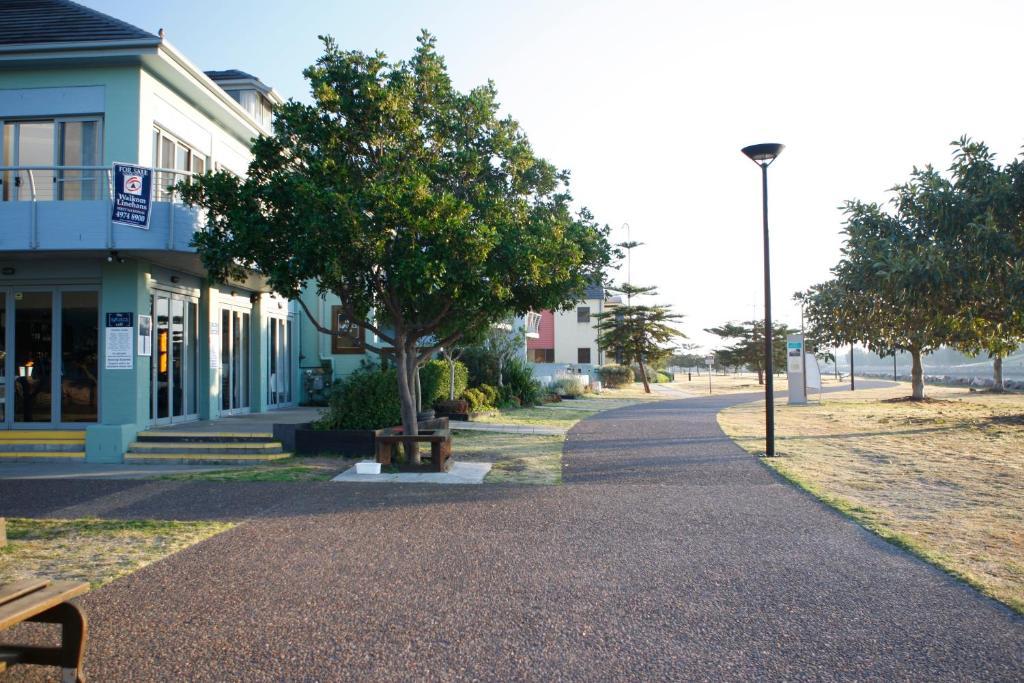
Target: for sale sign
(133, 195)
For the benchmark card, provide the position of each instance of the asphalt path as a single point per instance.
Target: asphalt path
(668, 554)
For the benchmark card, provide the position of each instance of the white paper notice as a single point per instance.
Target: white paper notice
(119, 348)
(215, 346)
(145, 335)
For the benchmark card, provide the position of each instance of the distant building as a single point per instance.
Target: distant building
(567, 340)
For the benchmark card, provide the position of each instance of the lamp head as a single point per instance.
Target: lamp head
(765, 153)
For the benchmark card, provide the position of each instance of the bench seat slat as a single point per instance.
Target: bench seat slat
(10, 591)
(38, 601)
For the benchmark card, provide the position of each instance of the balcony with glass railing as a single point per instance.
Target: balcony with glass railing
(69, 208)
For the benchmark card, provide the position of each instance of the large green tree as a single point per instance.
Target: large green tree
(426, 212)
(991, 200)
(639, 332)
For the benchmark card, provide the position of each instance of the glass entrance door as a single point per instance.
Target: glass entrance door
(174, 373)
(234, 377)
(33, 357)
(279, 377)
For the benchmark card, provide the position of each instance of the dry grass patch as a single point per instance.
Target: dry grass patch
(318, 468)
(94, 550)
(516, 458)
(943, 477)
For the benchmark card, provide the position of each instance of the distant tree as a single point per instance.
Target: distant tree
(638, 332)
(747, 348)
(426, 213)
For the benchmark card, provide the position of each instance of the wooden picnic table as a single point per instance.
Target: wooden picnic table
(48, 602)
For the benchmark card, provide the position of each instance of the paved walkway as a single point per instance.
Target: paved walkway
(667, 554)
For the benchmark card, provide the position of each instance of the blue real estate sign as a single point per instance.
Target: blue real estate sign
(133, 195)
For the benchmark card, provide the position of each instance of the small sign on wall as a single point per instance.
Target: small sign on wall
(118, 340)
(145, 335)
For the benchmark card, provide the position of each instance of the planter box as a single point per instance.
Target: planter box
(350, 442)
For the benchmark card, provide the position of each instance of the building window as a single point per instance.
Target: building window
(583, 355)
(347, 337)
(178, 161)
(583, 314)
(543, 355)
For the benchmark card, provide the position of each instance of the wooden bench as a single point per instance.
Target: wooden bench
(48, 602)
(440, 441)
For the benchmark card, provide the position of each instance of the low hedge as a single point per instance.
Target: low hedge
(366, 399)
(616, 375)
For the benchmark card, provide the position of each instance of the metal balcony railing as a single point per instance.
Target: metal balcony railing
(39, 186)
(531, 324)
(76, 183)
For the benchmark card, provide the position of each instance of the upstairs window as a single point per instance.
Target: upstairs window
(53, 144)
(583, 314)
(583, 355)
(178, 161)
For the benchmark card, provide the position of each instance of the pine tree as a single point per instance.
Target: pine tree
(637, 332)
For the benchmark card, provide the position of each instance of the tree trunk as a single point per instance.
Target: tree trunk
(451, 379)
(643, 375)
(406, 371)
(997, 373)
(501, 369)
(916, 376)
(760, 375)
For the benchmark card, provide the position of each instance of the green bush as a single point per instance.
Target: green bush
(476, 399)
(366, 399)
(491, 394)
(434, 379)
(616, 375)
(664, 377)
(520, 385)
(567, 386)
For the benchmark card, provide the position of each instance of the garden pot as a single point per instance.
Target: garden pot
(368, 467)
(425, 415)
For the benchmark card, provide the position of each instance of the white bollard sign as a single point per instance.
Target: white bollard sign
(795, 371)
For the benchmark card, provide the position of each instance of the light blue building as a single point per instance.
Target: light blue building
(79, 91)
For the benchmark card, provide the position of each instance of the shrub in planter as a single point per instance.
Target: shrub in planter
(490, 393)
(435, 378)
(616, 375)
(476, 400)
(366, 399)
(567, 387)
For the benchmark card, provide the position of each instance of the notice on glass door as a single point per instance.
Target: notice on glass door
(145, 335)
(119, 341)
(214, 346)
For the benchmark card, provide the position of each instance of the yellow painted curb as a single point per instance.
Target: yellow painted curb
(211, 435)
(209, 457)
(44, 454)
(206, 444)
(40, 434)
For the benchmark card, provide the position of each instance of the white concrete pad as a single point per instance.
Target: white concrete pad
(460, 473)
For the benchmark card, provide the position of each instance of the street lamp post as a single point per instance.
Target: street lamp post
(763, 155)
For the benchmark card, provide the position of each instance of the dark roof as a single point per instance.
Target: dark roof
(60, 21)
(227, 74)
(594, 292)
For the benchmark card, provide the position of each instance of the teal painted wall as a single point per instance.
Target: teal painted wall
(122, 93)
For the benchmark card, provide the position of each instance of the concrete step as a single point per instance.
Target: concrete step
(203, 458)
(206, 447)
(41, 446)
(205, 437)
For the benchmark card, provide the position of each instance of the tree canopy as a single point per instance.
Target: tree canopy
(943, 266)
(426, 212)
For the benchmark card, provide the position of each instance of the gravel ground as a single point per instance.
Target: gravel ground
(667, 554)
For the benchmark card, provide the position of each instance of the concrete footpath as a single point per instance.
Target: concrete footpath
(668, 554)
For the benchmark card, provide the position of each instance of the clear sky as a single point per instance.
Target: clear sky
(649, 103)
